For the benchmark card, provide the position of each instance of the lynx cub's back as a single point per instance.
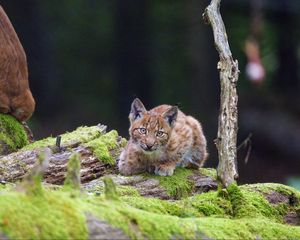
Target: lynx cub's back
(161, 139)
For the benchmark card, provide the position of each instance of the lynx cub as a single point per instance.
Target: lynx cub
(160, 140)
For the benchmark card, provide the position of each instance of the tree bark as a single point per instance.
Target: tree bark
(227, 125)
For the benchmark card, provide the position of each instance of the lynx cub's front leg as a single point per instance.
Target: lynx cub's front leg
(129, 163)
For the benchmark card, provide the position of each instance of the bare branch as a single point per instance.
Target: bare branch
(227, 126)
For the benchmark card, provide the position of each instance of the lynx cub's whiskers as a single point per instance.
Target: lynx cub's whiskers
(161, 139)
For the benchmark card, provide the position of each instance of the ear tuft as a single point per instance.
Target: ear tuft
(137, 110)
(171, 115)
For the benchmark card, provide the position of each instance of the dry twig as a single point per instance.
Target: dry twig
(227, 126)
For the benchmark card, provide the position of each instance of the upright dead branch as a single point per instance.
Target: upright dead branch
(227, 126)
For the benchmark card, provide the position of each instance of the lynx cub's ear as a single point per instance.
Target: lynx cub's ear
(137, 110)
(171, 115)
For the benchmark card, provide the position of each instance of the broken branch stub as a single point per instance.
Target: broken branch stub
(72, 180)
(227, 124)
(32, 182)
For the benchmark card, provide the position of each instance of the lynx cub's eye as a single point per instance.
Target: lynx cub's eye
(160, 134)
(143, 131)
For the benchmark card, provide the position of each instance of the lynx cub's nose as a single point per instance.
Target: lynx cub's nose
(149, 147)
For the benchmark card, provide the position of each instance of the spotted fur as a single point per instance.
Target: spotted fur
(160, 140)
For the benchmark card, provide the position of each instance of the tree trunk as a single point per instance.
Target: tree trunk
(227, 126)
(15, 96)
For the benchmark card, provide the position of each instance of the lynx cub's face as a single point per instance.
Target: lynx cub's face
(150, 130)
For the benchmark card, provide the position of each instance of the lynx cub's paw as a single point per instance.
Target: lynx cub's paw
(164, 170)
(124, 169)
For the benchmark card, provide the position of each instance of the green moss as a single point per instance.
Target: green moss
(276, 210)
(237, 203)
(266, 229)
(6, 187)
(219, 228)
(156, 226)
(127, 191)
(121, 190)
(210, 172)
(155, 205)
(251, 204)
(267, 188)
(102, 145)
(151, 220)
(50, 216)
(81, 134)
(139, 224)
(178, 185)
(210, 204)
(12, 133)
(55, 214)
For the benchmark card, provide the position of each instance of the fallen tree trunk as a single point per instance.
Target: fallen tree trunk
(15, 166)
(98, 152)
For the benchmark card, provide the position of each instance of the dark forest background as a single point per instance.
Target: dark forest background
(88, 59)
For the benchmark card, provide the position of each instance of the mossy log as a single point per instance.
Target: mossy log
(105, 205)
(259, 211)
(98, 152)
